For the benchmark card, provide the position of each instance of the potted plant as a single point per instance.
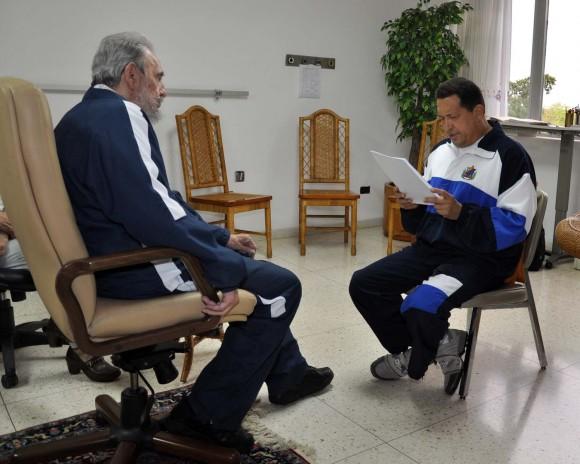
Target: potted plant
(421, 53)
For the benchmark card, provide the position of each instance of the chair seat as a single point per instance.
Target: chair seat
(230, 199)
(118, 318)
(321, 194)
(503, 297)
(17, 280)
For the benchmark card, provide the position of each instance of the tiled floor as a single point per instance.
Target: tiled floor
(514, 413)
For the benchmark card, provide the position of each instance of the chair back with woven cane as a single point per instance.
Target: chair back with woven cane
(324, 160)
(431, 134)
(204, 167)
(202, 157)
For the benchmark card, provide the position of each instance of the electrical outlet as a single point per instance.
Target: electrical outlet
(240, 176)
(365, 189)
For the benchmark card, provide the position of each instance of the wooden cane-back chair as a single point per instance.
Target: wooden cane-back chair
(431, 134)
(204, 167)
(324, 159)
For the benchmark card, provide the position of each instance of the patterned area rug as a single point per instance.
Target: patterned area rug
(265, 451)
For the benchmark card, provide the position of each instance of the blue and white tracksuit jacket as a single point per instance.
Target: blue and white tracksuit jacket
(494, 180)
(452, 260)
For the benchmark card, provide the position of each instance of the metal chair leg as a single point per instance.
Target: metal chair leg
(536, 325)
(470, 352)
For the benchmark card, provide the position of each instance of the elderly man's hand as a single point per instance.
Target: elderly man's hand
(6, 225)
(221, 308)
(3, 243)
(445, 204)
(242, 243)
(402, 199)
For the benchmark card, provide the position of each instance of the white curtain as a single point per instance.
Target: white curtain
(485, 36)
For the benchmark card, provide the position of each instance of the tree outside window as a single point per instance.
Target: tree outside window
(562, 70)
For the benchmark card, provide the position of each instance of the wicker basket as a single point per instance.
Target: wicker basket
(568, 235)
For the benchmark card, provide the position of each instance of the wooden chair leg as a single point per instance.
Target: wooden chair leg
(267, 213)
(353, 229)
(187, 359)
(302, 227)
(390, 228)
(346, 224)
(191, 342)
(230, 222)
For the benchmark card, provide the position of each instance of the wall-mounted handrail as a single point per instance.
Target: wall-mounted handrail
(171, 92)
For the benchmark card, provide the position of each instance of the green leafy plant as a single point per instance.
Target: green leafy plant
(421, 53)
(519, 95)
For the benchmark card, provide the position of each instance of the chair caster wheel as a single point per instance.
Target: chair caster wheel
(100, 418)
(9, 381)
(549, 264)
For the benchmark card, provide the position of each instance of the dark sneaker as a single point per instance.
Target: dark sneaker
(314, 380)
(391, 366)
(181, 421)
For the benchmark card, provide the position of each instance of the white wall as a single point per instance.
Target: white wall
(231, 45)
(241, 45)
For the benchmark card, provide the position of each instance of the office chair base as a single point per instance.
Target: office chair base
(130, 430)
(14, 336)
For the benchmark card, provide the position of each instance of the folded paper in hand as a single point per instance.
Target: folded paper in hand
(405, 177)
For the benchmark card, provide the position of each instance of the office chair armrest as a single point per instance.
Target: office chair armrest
(92, 264)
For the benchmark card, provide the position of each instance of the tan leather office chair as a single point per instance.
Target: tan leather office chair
(135, 331)
(204, 166)
(514, 295)
(431, 134)
(324, 159)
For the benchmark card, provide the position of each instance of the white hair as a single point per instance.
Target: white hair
(115, 52)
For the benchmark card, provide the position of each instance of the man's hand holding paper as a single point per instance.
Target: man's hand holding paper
(404, 202)
(445, 204)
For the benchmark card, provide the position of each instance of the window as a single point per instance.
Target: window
(521, 57)
(561, 69)
(562, 60)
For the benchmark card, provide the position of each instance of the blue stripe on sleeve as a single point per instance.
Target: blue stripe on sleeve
(425, 298)
(464, 192)
(509, 227)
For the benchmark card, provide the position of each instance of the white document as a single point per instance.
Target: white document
(309, 81)
(404, 176)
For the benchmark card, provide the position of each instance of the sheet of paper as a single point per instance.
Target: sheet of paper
(309, 81)
(404, 176)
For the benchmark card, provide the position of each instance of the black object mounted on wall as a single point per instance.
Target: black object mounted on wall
(297, 60)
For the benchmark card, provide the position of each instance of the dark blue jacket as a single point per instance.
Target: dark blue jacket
(117, 183)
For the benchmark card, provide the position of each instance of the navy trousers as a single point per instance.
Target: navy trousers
(436, 280)
(262, 349)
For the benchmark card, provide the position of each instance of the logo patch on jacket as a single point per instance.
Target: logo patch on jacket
(469, 173)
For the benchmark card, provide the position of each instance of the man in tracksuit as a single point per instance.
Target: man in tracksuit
(469, 240)
(118, 186)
